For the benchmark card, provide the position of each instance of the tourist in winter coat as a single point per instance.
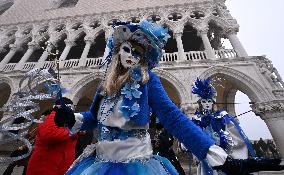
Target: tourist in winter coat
(54, 149)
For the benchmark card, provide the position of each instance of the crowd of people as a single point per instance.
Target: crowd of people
(265, 148)
(120, 113)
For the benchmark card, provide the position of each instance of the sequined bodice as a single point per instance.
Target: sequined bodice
(118, 136)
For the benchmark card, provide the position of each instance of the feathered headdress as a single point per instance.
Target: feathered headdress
(151, 36)
(203, 89)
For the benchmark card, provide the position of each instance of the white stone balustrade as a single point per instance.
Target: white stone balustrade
(196, 55)
(29, 65)
(9, 67)
(225, 53)
(169, 57)
(48, 64)
(91, 62)
(70, 63)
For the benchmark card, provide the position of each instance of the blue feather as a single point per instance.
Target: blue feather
(203, 89)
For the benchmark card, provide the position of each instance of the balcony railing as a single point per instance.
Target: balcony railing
(9, 67)
(29, 65)
(169, 57)
(225, 53)
(71, 63)
(48, 64)
(95, 62)
(195, 55)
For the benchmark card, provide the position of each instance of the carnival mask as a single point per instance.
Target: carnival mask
(207, 104)
(129, 56)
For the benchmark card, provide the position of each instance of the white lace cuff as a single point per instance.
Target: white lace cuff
(79, 121)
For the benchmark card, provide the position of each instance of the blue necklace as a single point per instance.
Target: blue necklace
(108, 105)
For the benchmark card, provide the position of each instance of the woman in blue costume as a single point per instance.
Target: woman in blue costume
(223, 129)
(121, 108)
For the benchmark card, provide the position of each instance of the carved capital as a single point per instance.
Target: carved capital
(178, 35)
(270, 109)
(69, 42)
(279, 93)
(202, 30)
(33, 45)
(73, 35)
(55, 37)
(15, 47)
(89, 39)
(231, 31)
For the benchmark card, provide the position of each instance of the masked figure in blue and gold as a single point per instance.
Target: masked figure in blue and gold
(224, 130)
(121, 108)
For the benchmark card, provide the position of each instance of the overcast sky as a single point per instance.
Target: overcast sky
(261, 33)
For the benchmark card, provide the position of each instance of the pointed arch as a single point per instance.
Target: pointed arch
(245, 83)
(76, 92)
(175, 82)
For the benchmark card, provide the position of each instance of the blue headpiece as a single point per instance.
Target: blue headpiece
(151, 36)
(203, 89)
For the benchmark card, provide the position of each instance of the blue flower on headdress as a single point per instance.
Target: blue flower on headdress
(130, 111)
(131, 91)
(136, 74)
(203, 89)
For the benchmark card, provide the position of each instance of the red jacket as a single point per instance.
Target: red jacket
(54, 149)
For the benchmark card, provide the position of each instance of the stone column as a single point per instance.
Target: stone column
(272, 113)
(44, 56)
(21, 63)
(181, 54)
(7, 58)
(208, 49)
(83, 59)
(237, 45)
(69, 45)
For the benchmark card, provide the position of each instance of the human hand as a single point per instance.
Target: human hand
(81, 133)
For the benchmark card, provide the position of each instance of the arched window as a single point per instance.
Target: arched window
(191, 41)
(98, 48)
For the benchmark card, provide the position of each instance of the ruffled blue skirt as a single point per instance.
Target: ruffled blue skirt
(156, 165)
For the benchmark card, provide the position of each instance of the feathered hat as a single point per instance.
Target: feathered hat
(203, 89)
(151, 36)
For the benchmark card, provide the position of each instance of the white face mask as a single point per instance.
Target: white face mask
(129, 56)
(207, 104)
